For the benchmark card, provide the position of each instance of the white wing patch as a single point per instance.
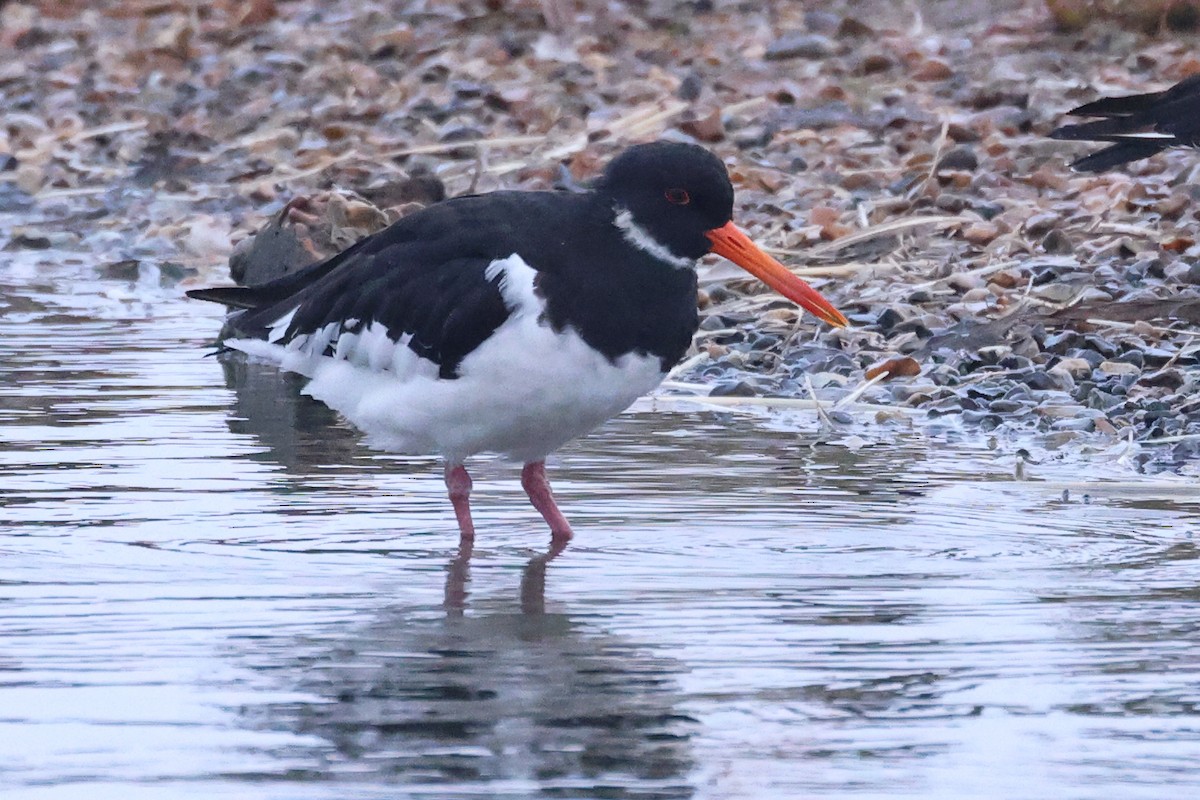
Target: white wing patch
(516, 284)
(279, 327)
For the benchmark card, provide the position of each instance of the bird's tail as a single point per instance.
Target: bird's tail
(1137, 126)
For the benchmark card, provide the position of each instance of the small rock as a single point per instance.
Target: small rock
(1046, 380)
(126, 270)
(1005, 279)
(1005, 406)
(854, 27)
(1057, 292)
(1085, 424)
(874, 63)
(1132, 357)
(962, 158)
(1040, 224)
(14, 199)
(1090, 356)
(895, 368)
(1075, 367)
(30, 239)
(1170, 378)
(754, 136)
(888, 319)
(733, 389)
(706, 127)
(1118, 368)
(800, 45)
(821, 21)
(963, 283)
(980, 233)
(822, 379)
(170, 273)
(932, 69)
(1101, 345)
(988, 210)
(30, 178)
(1058, 243)
(690, 87)
(1062, 376)
(952, 203)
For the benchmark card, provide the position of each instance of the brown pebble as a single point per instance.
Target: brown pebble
(876, 62)
(980, 233)
(932, 69)
(706, 127)
(904, 367)
(1005, 279)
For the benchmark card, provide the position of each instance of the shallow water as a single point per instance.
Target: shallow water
(211, 588)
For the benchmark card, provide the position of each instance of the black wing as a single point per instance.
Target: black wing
(1138, 125)
(423, 277)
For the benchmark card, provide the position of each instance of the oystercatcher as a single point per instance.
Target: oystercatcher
(509, 322)
(1138, 125)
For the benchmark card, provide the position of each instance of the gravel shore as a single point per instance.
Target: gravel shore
(898, 160)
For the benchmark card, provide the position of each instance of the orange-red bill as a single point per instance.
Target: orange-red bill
(731, 243)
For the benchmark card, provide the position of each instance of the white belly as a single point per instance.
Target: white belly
(523, 393)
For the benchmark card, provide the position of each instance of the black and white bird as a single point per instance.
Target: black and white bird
(1136, 126)
(509, 322)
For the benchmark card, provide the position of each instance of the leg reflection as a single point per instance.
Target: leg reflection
(458, 573)
(533, 579)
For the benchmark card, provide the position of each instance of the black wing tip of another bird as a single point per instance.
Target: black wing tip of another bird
(232, 296)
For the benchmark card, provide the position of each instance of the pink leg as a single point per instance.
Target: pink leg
(533, 481)
(458, 484)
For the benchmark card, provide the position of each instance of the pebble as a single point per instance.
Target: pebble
(932, 69)
(961, 158)
(1119, 368)
(1168, 378)
(1093, 358)
(1076, 367)
(1062, 376)
(981, 233)
(1058, 242)
(800, 45)
(733, 389)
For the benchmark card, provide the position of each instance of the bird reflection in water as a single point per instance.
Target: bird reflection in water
(484, 695)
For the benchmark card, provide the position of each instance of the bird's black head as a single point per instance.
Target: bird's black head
(674, 192)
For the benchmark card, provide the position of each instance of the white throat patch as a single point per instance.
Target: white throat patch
(637, 236)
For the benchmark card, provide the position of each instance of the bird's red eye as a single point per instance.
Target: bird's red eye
(679, 197)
